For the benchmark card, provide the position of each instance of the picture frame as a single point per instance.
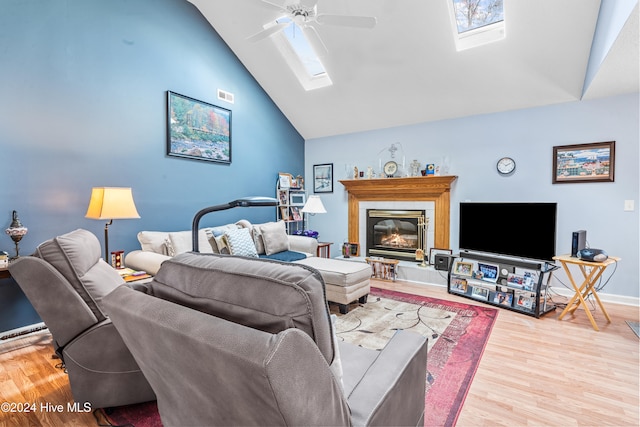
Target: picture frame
(593, 162)
(459, 285)
(198, 130)
(488, 272)
(297, 199)
(436, 251)
(295, 213)
(323, 178)
(479, 292)
(285, 180)
(463, 268)
(284, 213)
(503, 298)
(283, 197)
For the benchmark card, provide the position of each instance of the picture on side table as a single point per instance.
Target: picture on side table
(584, 162)
(198, 130)
(323, 178)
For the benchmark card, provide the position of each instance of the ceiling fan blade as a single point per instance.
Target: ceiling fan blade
(314, 40)
(308, 3)
(271, 4)
(267, 32)
(347, 21)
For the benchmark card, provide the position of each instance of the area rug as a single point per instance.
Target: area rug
(635, 327)
(457, 334)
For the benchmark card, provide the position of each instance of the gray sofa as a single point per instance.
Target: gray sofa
(239, 341)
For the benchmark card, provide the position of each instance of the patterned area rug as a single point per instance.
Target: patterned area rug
(635, 327)
(457, 335)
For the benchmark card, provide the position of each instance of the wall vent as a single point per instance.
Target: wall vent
(225, 96)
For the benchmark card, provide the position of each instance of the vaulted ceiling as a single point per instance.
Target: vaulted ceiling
(407, 70)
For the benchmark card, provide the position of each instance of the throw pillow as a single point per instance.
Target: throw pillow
(258, 240)
(153, 241)
(215, 236)
(240, 243)
(180, 241)
(274, 235)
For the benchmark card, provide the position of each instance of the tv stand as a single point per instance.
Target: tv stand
(516, 285)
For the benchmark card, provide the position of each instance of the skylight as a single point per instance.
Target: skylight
(477, 22)
(301, 46)
(300, 55)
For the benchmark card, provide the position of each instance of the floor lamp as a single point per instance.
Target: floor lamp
(111, 203)
(313, 206)
(246, 202)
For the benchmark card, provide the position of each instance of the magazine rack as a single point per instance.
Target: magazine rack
(512, 284)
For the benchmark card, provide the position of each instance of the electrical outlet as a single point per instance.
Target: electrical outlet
(629, 205)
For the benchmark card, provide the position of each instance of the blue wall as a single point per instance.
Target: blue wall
(83, 104)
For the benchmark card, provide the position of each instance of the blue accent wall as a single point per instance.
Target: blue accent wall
(83, 103)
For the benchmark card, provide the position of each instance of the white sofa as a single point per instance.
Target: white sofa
(159, 246)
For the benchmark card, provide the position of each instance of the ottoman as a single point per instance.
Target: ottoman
(345, 281)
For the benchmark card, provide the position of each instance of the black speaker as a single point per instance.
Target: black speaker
(442, 262)
(578, 242)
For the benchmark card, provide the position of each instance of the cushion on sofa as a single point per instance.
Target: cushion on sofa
(274, 236)
(215, 237)
(180, 242)
(154, 241)
(240, 242)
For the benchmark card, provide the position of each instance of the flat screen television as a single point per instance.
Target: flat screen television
(515, 229)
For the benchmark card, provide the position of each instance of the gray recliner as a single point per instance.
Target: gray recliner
(65, 281)
(235, 341)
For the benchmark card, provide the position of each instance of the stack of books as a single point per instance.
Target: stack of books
(130, 275)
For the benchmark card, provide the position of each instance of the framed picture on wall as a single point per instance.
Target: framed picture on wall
(198, 130)
(323, 178)
(584, 162)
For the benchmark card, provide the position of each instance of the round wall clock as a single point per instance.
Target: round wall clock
(390, 168)
(506, 166)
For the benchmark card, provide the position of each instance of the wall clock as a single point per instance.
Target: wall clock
(390, 168)
(506, 166)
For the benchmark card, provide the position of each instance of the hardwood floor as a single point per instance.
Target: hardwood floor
(541, 372)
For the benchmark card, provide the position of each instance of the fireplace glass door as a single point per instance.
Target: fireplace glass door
(394, 233)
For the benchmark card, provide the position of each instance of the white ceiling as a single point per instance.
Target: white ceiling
(406, 70)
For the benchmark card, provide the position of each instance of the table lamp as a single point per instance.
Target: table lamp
(313, 206)
(111, 203)
(16, 231)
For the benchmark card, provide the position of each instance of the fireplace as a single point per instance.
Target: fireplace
(394, 233)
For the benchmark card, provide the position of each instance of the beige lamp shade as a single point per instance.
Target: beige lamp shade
(314, 206)
(111, 203)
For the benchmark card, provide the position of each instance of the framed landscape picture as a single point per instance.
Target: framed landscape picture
(323, 178)
(584, 162)
(198, 130)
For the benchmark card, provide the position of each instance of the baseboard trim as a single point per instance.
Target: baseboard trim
(18, 333)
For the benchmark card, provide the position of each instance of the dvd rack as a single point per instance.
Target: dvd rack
(516, 285)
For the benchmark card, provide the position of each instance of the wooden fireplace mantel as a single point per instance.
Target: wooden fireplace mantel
(418, 188)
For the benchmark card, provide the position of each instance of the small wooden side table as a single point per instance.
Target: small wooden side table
(324, 249)
(385, 269)
(4, 273)
(591, 271)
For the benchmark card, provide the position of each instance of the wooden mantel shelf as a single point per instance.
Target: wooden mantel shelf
(418, 188)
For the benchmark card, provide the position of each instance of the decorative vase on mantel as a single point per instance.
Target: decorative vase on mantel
(16, 231)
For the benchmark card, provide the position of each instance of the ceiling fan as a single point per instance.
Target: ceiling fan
(304, 13)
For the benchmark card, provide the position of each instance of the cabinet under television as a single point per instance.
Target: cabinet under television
(517, 285)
